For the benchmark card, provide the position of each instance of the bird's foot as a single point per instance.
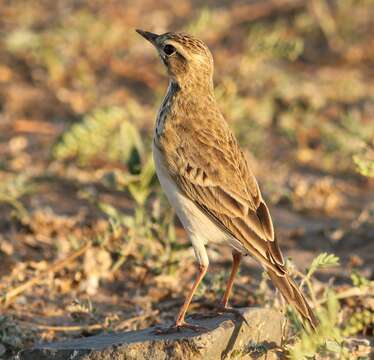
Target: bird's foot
(159, 330)
(235, 312)
(220, 310)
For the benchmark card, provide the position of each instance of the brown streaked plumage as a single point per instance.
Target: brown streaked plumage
(205, 174)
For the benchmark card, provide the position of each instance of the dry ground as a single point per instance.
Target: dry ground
(93, 240)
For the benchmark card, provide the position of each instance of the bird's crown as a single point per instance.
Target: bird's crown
(187, 59)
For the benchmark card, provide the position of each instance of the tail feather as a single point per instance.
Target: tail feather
(293, 296)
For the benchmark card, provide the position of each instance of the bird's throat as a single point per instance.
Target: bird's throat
(165, 108)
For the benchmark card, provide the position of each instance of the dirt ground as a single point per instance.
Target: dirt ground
(97, 253)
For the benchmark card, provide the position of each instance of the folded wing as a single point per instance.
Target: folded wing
(214, 174)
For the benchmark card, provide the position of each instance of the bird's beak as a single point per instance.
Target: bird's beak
(151, 37)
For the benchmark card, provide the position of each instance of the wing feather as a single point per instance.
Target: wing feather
(216, 176)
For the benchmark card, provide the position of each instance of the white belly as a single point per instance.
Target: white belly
(199, 227)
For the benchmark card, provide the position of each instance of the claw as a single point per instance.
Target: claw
(235, 312)
(220, 310)
(207, 315)
(177, 328)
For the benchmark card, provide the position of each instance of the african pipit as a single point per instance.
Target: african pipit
(205, 175)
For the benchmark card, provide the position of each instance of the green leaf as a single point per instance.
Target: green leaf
(107, 134)
(359, 280)
(323, 260)
(109, 210)
(327, 337)
(365, 163)
(140, 187)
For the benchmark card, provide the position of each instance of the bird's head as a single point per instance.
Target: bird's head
(187, 59)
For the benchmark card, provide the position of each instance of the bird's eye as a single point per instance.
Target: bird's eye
(169, 49)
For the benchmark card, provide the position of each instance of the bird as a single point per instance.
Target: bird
(206, 176)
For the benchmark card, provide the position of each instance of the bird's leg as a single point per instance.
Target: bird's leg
(182, 313)
(222, 306)
(180, 322)
(236, 257)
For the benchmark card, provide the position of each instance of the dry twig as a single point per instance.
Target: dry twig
(10, 296)
(64, 328)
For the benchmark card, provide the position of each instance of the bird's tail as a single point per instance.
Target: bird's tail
(293, 296)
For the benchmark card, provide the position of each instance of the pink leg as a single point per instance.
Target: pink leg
(182, 313)
(236, 257)
(180, 322)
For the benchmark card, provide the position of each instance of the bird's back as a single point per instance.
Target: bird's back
(203, 157)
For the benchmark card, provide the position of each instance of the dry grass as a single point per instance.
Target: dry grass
(88, 243)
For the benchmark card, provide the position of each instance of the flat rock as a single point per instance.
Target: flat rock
(226, 337)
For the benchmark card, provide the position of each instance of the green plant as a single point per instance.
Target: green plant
(106, 135)
(357, 322)
(322, 261)
(359, 280)
(139, 185)
(12, 189)
(273, 41)
(327, 337)
(330, 338)
(364, 162)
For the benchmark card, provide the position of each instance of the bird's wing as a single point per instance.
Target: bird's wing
(212, 171)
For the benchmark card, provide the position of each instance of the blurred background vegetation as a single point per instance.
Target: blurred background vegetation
(88, 242)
